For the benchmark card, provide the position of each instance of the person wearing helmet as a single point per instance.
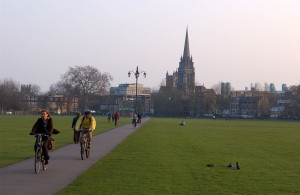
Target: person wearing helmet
(87, 122)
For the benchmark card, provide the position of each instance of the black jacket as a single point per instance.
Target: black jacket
(39, 126)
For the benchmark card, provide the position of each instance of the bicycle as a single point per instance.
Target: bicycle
(84, 143)
(38, 157)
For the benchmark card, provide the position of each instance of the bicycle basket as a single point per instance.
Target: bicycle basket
(51, 144)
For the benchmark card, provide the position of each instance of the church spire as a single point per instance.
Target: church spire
(186, 52)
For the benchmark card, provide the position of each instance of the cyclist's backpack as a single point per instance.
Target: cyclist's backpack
(51, 143)
(83, 120)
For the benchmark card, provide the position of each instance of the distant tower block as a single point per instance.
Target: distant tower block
(284, 87)
(272, 87)
(228, 88)
(223, 88)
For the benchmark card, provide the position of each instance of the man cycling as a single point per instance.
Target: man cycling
(87, 122)
(134, 120)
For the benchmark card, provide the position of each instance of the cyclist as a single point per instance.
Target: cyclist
(43, 125)
(134, 120)
(87, 122)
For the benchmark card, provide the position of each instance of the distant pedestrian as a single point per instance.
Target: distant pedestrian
(116, 117)
(139, 118)
(76, 133)
(108, 117)
(182, 123)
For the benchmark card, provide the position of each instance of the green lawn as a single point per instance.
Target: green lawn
(164, 158)
(17, 145)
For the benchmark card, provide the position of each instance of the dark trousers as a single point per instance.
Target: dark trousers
(44, 147)
(76, 135)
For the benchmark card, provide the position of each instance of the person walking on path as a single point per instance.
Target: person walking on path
(139, 118)
(87, 122)
(116, 117)
(108, 117)
(76, 133)
(43, 125)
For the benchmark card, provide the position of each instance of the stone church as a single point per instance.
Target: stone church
(194, 100)
(184, 78)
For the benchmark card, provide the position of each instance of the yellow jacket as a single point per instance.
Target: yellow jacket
(85, 123)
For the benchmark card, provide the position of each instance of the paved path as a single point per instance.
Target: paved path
(64, 166)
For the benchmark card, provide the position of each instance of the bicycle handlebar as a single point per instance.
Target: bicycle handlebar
(42, 134)
(85, 130)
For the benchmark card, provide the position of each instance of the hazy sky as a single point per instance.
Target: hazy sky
(237, 41)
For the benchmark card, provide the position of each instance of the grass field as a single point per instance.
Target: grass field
(164, 158)
(17, 145)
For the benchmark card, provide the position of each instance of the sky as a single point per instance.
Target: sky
(236, 41)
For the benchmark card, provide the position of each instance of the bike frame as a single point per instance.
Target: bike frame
(84, 143)
(134, 122)
(39, 158)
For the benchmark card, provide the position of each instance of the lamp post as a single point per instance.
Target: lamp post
(136, 74)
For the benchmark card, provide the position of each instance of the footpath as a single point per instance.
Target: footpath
(64, 166)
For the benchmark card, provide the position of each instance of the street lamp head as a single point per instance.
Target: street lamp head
(137, 74)
(144, 75)
(129, 74)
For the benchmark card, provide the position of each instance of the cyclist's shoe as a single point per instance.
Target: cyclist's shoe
(90, 145)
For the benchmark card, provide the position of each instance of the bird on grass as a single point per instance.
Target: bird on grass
(237, 167)
(211, 165)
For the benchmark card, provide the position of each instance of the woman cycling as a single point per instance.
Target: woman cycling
(43, 125)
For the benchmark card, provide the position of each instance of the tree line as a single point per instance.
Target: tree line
(258, 102)
(85, 82)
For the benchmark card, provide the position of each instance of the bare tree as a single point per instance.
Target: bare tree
(266, 87)
(61, 87)
(89, 80)
(35, 89)
(258, 86)
(264, 106)
(9, 95)
(217, 87)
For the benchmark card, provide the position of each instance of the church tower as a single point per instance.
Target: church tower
(186, 70)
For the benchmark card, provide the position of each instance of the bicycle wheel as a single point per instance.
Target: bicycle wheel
(82, 149)
(87, 151)
(37, 160)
